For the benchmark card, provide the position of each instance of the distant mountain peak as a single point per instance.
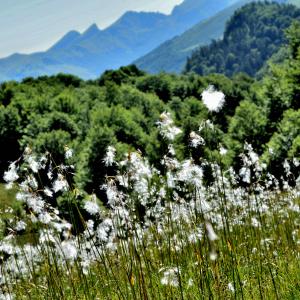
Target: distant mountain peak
(93, 29)
(66, 40)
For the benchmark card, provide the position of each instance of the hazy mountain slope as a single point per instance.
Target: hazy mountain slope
(90, 53)
(171, 56)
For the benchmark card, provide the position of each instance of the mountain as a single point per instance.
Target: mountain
(253, 34)
(171, 55)
(90, 53)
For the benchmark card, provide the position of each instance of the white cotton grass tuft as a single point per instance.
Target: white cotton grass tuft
(6, 296)
(231, 287)
(68, 152)
(196, 140)
(60, 184)
(69, 250)
(213, 255)
(91, 207)
(167, 128)
(170, 277)
(212, 99)
(109, 158)
(11, 175)
(223, 151)
(20, 226)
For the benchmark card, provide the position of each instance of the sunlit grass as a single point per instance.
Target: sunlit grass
(7, 197)
(245, 268)
(163, 235)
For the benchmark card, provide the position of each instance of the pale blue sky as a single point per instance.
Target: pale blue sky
(34, 25)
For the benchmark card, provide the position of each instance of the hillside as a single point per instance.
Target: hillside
(171, 55)
(253, 34)
(90, 53)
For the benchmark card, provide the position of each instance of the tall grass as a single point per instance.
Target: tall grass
(165, 234)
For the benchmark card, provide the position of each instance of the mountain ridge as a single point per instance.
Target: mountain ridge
(90, 53)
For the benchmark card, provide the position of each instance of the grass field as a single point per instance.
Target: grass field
(7, 197)
(221, 241)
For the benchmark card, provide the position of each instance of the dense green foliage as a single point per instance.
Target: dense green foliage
(253, 34)
(122, 107)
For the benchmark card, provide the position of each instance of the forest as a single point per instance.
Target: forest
(252, 35)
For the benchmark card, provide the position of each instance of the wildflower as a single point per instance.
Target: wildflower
(245, 173)
(111, 193)
(60, 184)
(6, 296)
(190, 173)
(6, 248)
(49, 173)
(32, 182)
(287, 167)
(190, 282)
(85, 266)
(170, 277)
(213, 99)
(90, 225)
(20, 226)
(9, 185)
(231, 287)
(69, 250)
(213, 255)
(102, 234)
(255, 222)
(47, 236)
(33, 164)
(110, 156)
(171, 150)
(45, 218)
(68, 153)
(223, 151)
(48, 192)
(206, 124)
(35, 203)
(11, 175)
(196, 140)
(167, 129)
(91, 207)
(296, 162)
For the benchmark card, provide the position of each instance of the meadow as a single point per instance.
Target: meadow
(178, 232)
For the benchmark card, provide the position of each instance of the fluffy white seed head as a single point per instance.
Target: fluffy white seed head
(213, 100)
(11, 175)
(110, 156)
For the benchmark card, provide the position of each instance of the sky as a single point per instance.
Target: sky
(34, 25)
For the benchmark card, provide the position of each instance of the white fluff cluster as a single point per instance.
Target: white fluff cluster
(110, 156)
(213, 100)
(167, 128)
(170, 277)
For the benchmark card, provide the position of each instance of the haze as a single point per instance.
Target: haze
(35, 25)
